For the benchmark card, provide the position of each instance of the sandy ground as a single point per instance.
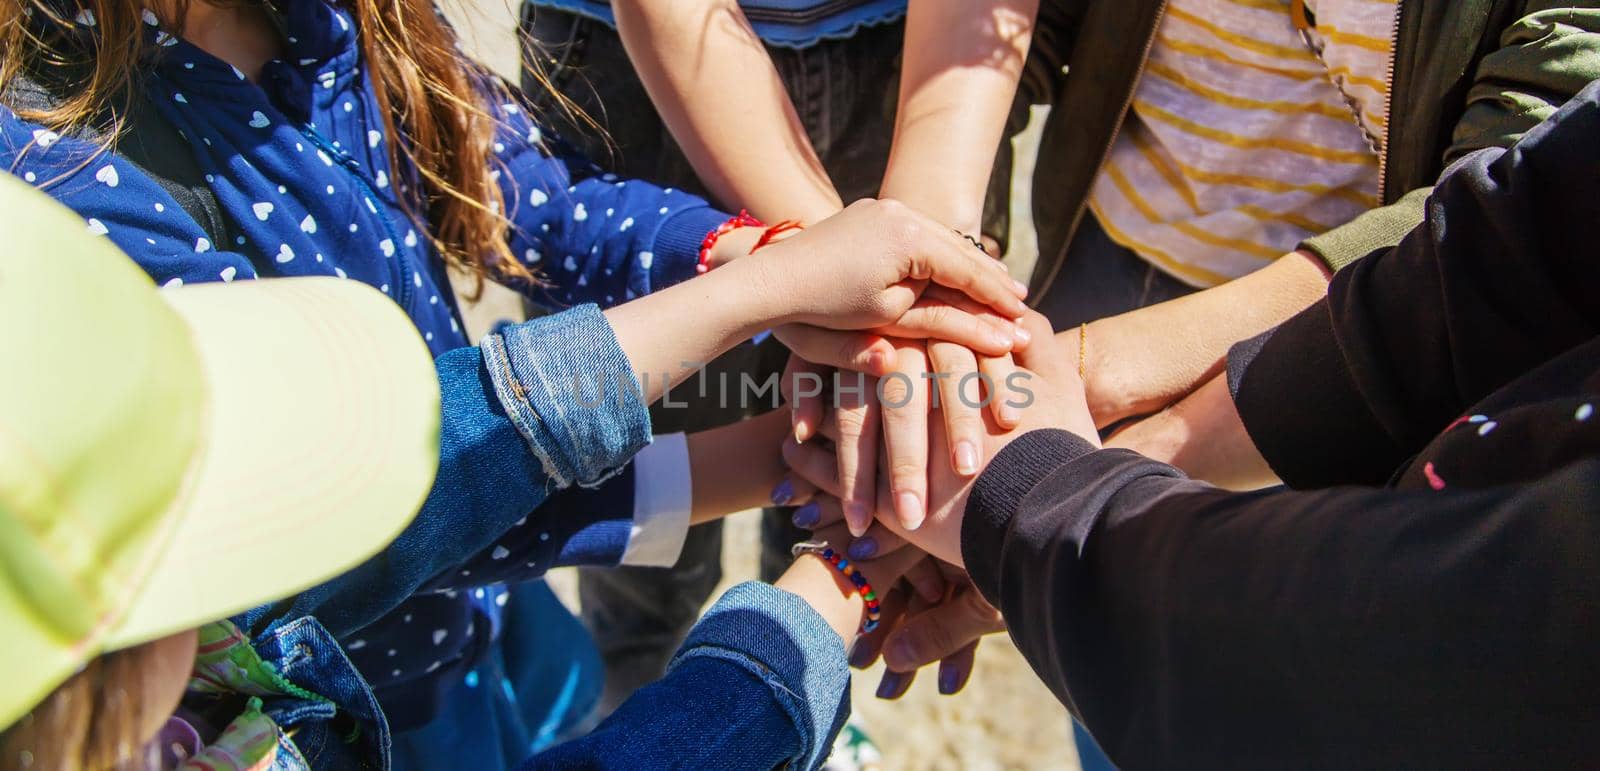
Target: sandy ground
(1005, 719)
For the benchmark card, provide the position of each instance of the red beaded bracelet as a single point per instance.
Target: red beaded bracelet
(743, 220)
(740, 220)
(839, 563)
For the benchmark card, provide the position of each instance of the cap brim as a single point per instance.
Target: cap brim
(320, 443)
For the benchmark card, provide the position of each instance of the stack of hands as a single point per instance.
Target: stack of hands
(890, 429)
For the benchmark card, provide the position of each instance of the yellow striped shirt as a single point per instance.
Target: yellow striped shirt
(1247, 137)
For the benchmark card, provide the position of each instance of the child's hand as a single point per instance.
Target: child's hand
(866, 266)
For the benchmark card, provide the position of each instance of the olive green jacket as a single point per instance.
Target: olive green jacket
(1468, 74)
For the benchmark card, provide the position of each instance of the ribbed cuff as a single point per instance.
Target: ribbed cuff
(780, 640)
(1380, 228)
(677, 245)
(998, 494)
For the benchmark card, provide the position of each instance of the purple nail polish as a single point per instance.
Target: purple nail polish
(806, 516)
(949, 680)
(890, 686)
(782, 493)
(865, 547)
(861, 655)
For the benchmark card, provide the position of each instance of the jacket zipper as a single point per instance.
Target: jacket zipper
(1388, 103)
(1105, 152)
(402, 282)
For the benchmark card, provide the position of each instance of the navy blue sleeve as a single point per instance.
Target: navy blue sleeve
(120, 202)
(591, 236)
(575, 526)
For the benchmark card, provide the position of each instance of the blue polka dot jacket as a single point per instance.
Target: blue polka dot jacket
(299, 162)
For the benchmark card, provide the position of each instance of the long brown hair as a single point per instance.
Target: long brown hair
(92, 721)
(429, 94)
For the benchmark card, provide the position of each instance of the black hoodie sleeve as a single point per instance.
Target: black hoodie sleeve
(1190, 627)
(1503, 275)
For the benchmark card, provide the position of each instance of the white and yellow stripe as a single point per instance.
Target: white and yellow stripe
(1243, 141)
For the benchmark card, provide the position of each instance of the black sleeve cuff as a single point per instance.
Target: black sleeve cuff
(1302, 407)
(998, 493)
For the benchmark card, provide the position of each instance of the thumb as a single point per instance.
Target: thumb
(1047, 361)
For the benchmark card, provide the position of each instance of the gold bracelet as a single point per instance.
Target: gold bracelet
(1083, 349)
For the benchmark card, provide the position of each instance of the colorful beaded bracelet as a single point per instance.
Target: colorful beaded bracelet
(863, 587)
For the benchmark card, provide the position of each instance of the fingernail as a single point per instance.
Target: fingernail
(889, 686)
(949, 680)
(857, 517)
(1009, 414)
(1022, 334)
(782, 493)
(878, 361)
(1000, 340)
(966, 458)
(1021, 288)
(806, 516)
(860, 655)
(863, 548)
(909, 508)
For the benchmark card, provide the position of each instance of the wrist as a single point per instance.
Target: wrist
(751, 294)
(731, 245)
(828, 592)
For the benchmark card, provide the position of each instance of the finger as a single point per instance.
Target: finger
(1021, 335)
(792, 490)
(904, 407)
(933, 319)
(802, 388)
(960, 403)
(881, 572)
(927, 580)
(956, 670)
(856, 351)
(866, 648)
(856, 444)
(894, 684)
(1046, 360)
(997, 375)
(813, 463)
(940, 631)
(950, 260)
(880, 542)
(821, 511)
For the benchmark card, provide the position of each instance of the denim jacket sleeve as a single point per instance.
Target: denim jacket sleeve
(512, 435)
(760, 682)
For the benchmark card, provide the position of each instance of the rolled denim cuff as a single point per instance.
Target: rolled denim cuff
(566, 385)
(781, 641)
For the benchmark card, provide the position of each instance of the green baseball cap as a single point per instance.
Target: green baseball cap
(172, 457)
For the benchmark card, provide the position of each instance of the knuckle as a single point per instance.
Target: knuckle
(906, 473)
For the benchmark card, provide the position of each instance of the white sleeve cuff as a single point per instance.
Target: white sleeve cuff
(663, 494)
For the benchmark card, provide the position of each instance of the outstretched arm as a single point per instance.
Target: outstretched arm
(715, 87)
(962, 59)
